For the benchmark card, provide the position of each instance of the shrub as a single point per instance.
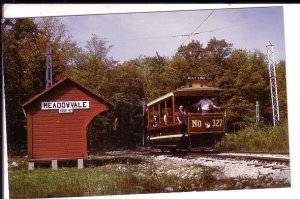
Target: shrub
(259, 139)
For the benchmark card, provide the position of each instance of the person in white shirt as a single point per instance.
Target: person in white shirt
(206, 104)
(166, 115)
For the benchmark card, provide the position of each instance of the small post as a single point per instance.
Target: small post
(143, 124)
(54, 164)
(80, 163)
(30, 165)
(257, 113)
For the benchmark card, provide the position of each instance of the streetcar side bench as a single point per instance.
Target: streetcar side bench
(54, 162)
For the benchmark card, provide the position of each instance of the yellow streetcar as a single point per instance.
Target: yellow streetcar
(197, 105)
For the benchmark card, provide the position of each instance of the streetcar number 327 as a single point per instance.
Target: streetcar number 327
(215, 123)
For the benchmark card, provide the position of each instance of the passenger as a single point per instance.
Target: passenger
(145, 124)
(206, 104)
(156, 121)
(166, 115)
(182, 119)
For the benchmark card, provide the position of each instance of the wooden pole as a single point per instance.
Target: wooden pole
(159, 112)
(166, 111)
(173, 108)
(148, 112)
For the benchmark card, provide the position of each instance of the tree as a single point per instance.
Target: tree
(152, 70)
(206, 61)
(192, 53)
(282, 93)
(216, 55)
(91, 66)
(126, 81)
(24, 47)
(64, 50)
(120, 83)
(19, 37)
(245, 81)
(176, 73)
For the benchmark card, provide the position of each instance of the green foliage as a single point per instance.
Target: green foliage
(121, 83)
(24, 47)
(152, 70)
(245, 81)
(282, 94)
(110, 179)
(259, 139)
(177, 71)
(90, 67)
(115, 130)
(126, 81)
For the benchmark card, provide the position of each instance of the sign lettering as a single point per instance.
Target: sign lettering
(65, 106)
(217, 122)
(189, 78)
(196, 123)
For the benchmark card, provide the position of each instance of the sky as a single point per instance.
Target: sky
(143, 34)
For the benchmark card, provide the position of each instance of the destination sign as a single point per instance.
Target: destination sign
(190, 78)
(65, 106)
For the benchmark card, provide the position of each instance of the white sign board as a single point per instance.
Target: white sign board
(65, 106)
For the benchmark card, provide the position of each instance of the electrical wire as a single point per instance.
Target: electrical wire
(195, 29)
(198, 26)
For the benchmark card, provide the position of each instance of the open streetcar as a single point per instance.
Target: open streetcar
(203, 130)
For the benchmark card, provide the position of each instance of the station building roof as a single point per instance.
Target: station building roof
(63, 81)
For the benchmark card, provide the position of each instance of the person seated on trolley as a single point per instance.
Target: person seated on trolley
(205, 105)
(166, 115)
(155, 121)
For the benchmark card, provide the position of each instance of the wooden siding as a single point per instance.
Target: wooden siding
(55, 135)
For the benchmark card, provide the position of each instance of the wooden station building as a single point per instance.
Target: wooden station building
(57, 121)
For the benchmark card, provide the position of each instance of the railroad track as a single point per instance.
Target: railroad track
(272, 161)
(267, 158)
(260, 159)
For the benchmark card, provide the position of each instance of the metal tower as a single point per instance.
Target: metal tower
(48, 71)
(273, 82)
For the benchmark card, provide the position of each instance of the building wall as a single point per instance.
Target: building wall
(55, 135)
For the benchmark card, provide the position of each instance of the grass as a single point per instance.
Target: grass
(116, 179)
(110, 179)
(259, 139)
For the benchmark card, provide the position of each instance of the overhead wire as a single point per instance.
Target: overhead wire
(198, 26)
(176, 36)
(195, 29)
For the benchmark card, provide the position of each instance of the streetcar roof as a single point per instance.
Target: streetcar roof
(187, 91)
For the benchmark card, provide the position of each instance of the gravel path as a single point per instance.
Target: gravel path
(187, 168)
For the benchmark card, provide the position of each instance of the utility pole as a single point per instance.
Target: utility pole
(48, 71)
(273, 82)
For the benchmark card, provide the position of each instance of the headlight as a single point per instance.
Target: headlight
(207, 125)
